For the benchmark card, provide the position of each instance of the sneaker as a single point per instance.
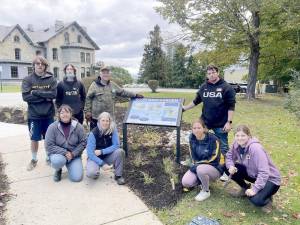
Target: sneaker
(224, 177)
(31, 165)
(120, 180)
(237, 193)
(57, 175)
(202, 195)
(267, 208)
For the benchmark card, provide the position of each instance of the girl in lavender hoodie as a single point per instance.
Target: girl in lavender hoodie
(248, 161)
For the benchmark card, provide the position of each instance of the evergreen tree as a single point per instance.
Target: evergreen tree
(153, 65)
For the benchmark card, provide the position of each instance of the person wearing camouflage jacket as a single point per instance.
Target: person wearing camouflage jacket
(101, 97)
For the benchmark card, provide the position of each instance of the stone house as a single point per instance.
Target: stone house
(59, 44)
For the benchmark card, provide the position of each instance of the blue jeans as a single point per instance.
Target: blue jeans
(75, 168)
(223, 137)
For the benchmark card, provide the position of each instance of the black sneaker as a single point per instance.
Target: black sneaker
(31, 165)
(57, 175)
(120, 180)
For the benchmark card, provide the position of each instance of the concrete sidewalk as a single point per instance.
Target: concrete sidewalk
(38, 200)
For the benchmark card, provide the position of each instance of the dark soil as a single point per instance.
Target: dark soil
(159, 193)
(4, 197)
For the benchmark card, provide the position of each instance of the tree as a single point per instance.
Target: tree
(222, 24)
(195, 73)
(153, 63)
(280, 51)
(179, 61)
(121, 74)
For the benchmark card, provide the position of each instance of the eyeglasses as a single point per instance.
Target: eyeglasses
(40, 64)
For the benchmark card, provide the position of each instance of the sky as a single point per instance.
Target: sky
(119, 27)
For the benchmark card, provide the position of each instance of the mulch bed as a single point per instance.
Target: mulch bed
(159, 193)
(4, 197)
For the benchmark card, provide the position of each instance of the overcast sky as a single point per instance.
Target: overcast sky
(119, 27)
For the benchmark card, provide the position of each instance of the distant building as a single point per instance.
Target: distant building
(236, 74)
(60, 44)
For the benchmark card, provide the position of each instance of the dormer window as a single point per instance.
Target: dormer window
(79, 38)
(67, 38)
(17, 54)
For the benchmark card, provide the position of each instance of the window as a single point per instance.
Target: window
(82, 72)
(29, 70)
(79, 39)
(56, 72)
(67, 38)
(88, 73)
(14, 72)
(54, 54)
(88, 57)
(16, 38)
(38, 52)
(18, 54)
(82, 57)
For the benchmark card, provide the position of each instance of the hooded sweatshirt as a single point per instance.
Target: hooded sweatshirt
(206, 151)
(57, 143)
(71, 93)
(217, 99)
(257, 162)
(39, 92)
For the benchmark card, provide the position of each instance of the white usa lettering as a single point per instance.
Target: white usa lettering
(212, 94)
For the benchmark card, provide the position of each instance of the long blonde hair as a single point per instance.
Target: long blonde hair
(112, 124)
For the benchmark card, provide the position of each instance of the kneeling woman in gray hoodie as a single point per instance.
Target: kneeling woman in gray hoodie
(65, 141)
(248, 161)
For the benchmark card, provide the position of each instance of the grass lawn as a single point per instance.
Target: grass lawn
(279, 132)
(10, 88)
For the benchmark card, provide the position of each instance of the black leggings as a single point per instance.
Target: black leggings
(263, 196)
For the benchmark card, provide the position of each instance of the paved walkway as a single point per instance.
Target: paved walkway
(37, 200)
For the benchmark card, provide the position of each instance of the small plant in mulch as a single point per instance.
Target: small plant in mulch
(171, 171)
(147, 178)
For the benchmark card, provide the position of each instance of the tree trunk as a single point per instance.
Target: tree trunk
(254, 57)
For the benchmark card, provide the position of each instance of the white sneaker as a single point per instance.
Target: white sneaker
(224, 177)
(202, 195)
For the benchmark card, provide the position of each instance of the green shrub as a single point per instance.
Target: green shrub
(292, 102)
(153, 85)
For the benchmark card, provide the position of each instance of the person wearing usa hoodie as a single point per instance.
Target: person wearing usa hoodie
(218, 99)
(248, 161)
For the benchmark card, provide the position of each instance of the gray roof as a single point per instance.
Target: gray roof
(4, 31)
(40, 36)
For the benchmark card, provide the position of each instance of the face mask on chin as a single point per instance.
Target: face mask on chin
(70, 76)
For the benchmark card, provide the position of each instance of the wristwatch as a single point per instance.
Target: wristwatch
(229, 121)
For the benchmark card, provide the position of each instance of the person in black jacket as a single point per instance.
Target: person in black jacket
(71, 91)
(39, 90)
(208, 162)
(218, 99)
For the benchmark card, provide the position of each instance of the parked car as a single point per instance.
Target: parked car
(236, 87)
(243, 88)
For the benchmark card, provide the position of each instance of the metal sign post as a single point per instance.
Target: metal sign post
(1, 77)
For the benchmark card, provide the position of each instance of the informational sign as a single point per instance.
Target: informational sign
(155, 111)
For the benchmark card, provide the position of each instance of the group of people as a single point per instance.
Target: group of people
(246, 162)
(65, 139)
